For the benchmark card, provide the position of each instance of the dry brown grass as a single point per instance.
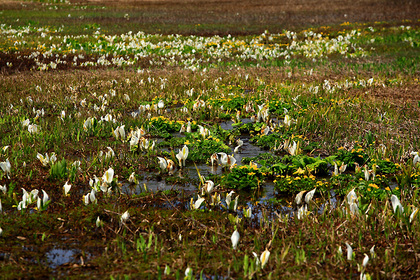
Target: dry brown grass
(242, 17)
(269, 12)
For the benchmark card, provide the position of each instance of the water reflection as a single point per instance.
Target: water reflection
(248, 150)
(153, 185)
(59, 256)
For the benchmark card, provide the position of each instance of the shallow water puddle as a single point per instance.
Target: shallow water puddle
(153, 185)
(60, 256)
(211, 277)
(331, 203)
(248, 150)
(191, 172)
(189, 180)
(204, 169)
(228, 125)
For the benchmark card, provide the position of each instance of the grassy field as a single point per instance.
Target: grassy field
(209, 139)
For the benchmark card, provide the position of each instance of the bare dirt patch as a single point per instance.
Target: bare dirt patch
(401, 95)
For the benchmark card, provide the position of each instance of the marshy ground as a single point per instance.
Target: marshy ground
(303, 95)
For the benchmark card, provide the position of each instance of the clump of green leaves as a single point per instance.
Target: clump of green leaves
(202, 149)
(303, 164)
(59, 170)
(355, 155)
(290, 184)
(243, 177)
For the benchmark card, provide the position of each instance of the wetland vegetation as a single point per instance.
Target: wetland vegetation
(165, 149)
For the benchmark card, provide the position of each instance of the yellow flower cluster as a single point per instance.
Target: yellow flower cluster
(159, 118)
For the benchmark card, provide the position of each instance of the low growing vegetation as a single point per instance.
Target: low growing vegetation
(279, 155)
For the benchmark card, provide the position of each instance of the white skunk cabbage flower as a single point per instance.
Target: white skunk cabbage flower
(248, 212)
(6, 167)
(208, 186)
(108, 176)
(227, 160)
(188, 273)
(303, 212)
(412, 216)
(353, 202)
(162, 163)
(33, 128)
(264, 258)
(26, 123)
(299, 196)
(349, 252)
(416, 158)
(98, 222)
(309, 196)
(235, 239)
(197, 204)
(365, 260)
(396, 204)
(182, 155)
(3, 189)
(66, 188)
(125, 216)
(86, 199)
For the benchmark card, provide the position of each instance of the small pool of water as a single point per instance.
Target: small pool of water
(247, 150)
(153, 185)
(61, 256)
(228, 125)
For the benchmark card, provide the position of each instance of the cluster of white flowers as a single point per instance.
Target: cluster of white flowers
(45, 160)
(23, 30)
(315, 45)
(190, 52)
(104, 184)
(29, 198)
